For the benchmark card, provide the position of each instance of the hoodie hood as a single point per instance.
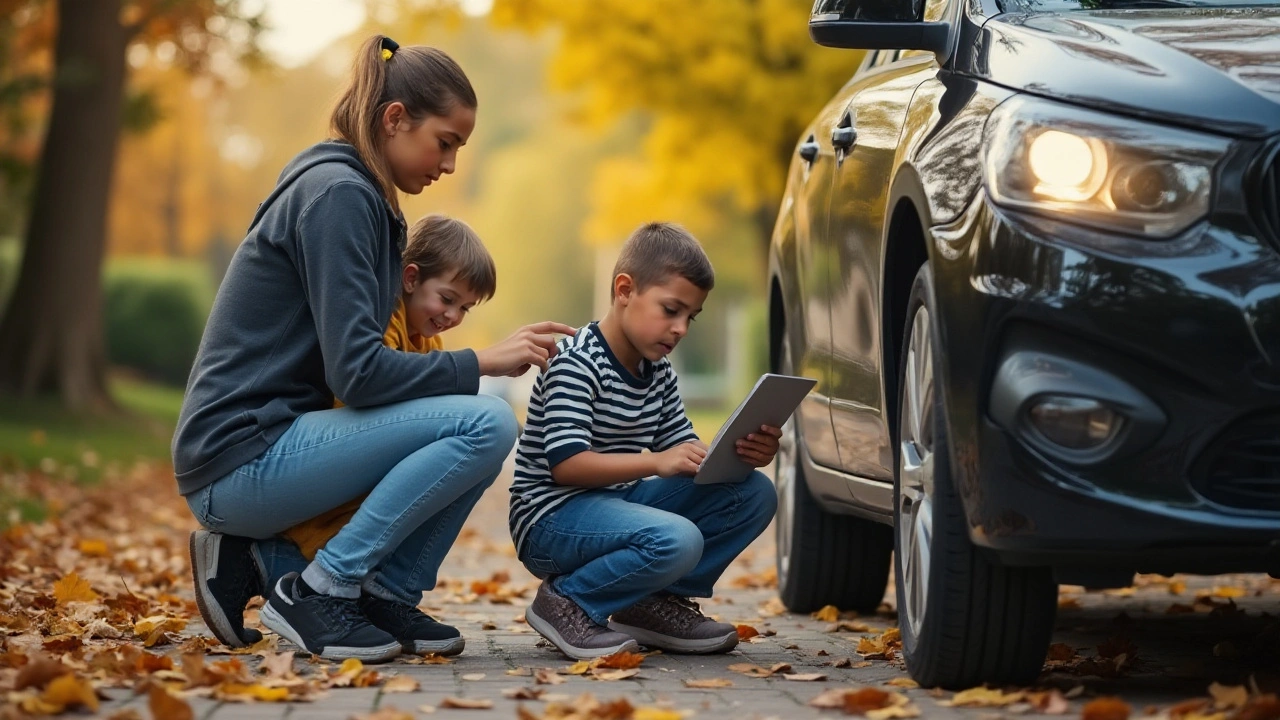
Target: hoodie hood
(329, 151)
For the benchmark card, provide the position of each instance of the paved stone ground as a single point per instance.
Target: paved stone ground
(1177, 655)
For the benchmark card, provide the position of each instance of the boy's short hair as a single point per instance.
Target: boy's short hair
(659, 250)
(438, 245)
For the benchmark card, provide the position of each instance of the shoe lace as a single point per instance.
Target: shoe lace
(678, 610)
(405, 613)
(343, 610)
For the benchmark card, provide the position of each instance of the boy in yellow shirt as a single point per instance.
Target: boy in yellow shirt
(447, 270)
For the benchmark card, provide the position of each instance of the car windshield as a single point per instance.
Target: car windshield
(1068, 5)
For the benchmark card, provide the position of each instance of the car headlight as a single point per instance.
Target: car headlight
(1098, 170)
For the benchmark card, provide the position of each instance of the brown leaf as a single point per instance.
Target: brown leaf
(165, 706)
(466, 703)
(1106, 708)
(610, 675)
(1194, 706)
(1060, 652)
(386, 713)
(860, 702)
(522, 693)
(1049, 703)
(69, 691)
(746, 632)
(93, 548)
(708, 683)
(73, 589)
(545, 676)
(39, 672)
(1227, 697)
(400, 684)
(278, 665)
(619, 661)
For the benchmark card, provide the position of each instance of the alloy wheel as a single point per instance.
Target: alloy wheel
(915, 472)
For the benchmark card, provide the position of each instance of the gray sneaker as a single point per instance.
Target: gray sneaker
(675, 624)
(568, 627)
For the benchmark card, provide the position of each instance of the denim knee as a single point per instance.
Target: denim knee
(674, 547)
(759, 496)
(495, 424)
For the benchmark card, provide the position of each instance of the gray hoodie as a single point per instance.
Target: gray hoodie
(299, 317)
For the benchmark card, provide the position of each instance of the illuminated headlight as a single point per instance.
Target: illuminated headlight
(1098, 170)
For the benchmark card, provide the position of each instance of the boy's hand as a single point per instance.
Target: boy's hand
(758, 449)
(530, 345)
(682, 459)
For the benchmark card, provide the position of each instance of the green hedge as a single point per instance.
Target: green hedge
(154, 315)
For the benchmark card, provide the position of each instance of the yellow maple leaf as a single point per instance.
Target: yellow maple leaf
(93, 548)
(983, 697)
(249, 693)
(73, 588)
(829, 613)
(351, 667)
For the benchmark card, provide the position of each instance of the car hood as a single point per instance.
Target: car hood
(1211, 68)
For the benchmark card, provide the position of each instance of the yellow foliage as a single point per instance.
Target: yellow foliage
(73, 588)
(729, 85)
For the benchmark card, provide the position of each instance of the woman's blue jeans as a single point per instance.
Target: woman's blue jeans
(607, 549)
(424, 463)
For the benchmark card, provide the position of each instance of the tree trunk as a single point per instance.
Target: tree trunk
(51, 340)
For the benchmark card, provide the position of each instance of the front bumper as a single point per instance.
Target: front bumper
(1183, 336)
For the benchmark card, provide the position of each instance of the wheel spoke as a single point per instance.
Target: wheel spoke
(916, 468)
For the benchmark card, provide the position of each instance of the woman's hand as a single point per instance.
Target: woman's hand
(530, 345)
(683, 459)
(758, 449)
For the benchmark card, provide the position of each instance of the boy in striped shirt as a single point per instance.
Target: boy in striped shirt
(603, 506)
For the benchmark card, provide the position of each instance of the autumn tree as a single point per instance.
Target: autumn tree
(728, 85)
(51, 338)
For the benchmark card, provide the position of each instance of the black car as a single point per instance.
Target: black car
(1031, 253)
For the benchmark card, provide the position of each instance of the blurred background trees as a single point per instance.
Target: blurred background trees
(594, 117)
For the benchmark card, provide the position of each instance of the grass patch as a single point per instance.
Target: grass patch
(37, 434)
(707, 421)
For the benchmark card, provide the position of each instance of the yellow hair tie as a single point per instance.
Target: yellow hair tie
(386, 54)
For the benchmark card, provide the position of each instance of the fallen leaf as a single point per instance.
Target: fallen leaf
(805, 677)
(466, 703)
(653, 713)
(39, 672)
(864, 700)
(546, 676)
(1060, 652)
(1106, 708)
(1049, 703)
(400, 684)
(708, 683)
(152, 629)
(73, 589)
(610, 675)
(238, 692)
(903, 682)
(93, 548)
(1227, 697)
(829, 613)
(68, 692)
(579, 668)
(746, 632)
(984, 697)
(472, 677)
(619, 661)
(165, 706)
(1261, 707)
(522, 693)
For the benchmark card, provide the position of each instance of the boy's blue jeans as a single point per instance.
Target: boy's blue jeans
(607, 549)
(424, 463)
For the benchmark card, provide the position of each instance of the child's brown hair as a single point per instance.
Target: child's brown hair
(658, 250)
(438, 245)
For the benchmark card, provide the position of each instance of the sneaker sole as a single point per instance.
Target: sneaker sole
(377, 654)
(548, 631)
(202, 545)
(701, 646)
(452, 646)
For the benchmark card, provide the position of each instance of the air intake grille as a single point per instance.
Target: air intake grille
(1265, 197)
(1242, 468)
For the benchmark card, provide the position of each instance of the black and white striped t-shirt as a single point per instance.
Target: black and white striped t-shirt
(586, 400)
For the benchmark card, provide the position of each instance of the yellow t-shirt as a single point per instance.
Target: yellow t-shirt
(311, 535)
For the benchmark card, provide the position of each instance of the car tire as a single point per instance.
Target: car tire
(964, 619)
(823, 558)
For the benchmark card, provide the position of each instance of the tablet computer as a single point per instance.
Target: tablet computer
(770, 402)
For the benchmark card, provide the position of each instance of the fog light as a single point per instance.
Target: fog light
(1074, 423)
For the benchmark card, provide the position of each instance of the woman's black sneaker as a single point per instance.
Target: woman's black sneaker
(331, 627)
(418, 632)
(226, 578)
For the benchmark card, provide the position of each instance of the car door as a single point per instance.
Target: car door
(865, 141)
(812, 357)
